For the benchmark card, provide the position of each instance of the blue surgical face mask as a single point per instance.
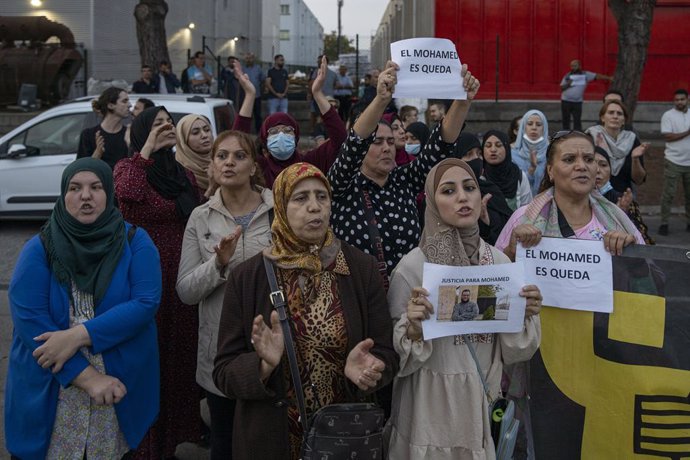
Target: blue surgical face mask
(281, 145)
(413, 149)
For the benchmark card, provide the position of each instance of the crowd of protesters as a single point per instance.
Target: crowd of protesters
(145, 293)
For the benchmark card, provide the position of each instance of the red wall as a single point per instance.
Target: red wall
(537, 39)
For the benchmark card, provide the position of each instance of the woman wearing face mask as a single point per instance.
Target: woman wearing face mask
(500, 169)
(623, 200)
(156, 193)
(440, 408)
(416, 137)
(194, 142)
(279, 133)
(530, 147)
(232, 226)
(401, 155)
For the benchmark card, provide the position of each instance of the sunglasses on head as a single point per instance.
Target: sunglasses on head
(560, 135)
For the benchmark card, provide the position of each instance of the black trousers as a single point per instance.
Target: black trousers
(571, 108)
(257, 115)
(222, 412)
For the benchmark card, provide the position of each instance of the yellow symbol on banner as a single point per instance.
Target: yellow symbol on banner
(608, 389)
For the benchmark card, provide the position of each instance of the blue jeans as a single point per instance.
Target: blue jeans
(276, 104)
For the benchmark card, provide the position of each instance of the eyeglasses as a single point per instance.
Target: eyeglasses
(281, 129)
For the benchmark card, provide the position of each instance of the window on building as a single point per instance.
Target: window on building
(285, 10)
(285, 35)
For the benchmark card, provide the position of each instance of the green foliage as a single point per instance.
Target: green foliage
(488, 290)
(489, 313)
(330, 46)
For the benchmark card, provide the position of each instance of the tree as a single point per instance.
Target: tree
(153, 45)
(330, 46)
(634, 18)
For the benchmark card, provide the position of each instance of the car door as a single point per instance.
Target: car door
(30, 180)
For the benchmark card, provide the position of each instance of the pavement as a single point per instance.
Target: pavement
(13, 235)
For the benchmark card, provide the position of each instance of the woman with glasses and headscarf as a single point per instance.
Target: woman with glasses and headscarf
(83, 374)
(157, 193)
(340, 322)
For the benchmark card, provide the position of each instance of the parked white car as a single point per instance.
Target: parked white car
(33, 156)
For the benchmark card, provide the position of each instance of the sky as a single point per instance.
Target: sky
(357, 17)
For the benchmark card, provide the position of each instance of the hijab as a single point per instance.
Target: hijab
(420, 131)
(286, 250)
(506, 175)
(86, 254)
(195, 162)
(166, 175)
(271, 166)
(521, 152)
(442, 243)
(618, 148)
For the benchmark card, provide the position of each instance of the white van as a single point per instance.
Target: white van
(33, 156)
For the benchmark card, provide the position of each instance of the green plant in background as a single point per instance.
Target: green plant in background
(489, 313)
(488, 290)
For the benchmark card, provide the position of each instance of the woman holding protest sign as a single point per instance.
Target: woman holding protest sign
(568, 206)
(374, 205)
(438, 384)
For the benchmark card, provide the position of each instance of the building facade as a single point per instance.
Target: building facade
(106, 30)
(301, 34)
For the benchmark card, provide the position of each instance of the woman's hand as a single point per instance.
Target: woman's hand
(418, 309)
(640, 150)
(226, 247)
(469, 82)
(100, 146)
(615, 241)
(59, 346)
(105, 390)
(625, 200)
(533, 162)
(268, 343)
(484, 216)
(601, 141)
(387, 81)
(243, 79)
(527, 234)
(362, 368)
(158, 138)
(321, 72)
(533, 299)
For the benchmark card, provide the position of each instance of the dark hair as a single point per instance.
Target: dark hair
(108, 96)
(606, 105)
(438, 102)
(465, 290)
(146, 66)
(248, 145)
(232, 57)
(682, 91)
(514, 126)
(557, 140)
(163, 62)
(405, 110)
(277, 56)
(147, 103)
(198, 53)
(614, 91)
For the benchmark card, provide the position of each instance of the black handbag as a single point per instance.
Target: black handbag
(336, 431)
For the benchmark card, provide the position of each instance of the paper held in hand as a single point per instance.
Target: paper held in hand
(475, 299)
(429, 68)
(572, 274)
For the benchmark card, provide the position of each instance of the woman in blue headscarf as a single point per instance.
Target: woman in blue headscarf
(529, 152)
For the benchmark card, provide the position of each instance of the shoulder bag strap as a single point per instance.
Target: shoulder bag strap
(278, 302)
(466, 338)
(375, 237)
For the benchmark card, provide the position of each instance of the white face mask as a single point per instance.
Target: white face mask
(530, 141)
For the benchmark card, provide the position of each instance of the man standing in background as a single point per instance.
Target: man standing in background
(573, 88)
(256, 76)
(675, 128)
(277, 86)
(343, 92)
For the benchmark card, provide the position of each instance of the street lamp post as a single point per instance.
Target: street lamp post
(340, 6)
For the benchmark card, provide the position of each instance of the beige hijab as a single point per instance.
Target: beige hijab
(193, 161)
(442, 243)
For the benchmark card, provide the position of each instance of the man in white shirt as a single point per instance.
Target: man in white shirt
(573, 87)
(675, 129)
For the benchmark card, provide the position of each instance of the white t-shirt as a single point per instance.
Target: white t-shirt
(675, 121)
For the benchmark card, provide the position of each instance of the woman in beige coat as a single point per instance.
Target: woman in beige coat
(232, 226)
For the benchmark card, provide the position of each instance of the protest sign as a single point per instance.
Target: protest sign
(429, 68)
(573, 274)
(476, 299)
(616, 385)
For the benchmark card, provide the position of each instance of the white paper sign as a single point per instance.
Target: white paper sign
(578, 80)
(476, 299)
(572, 274)
(429, 68)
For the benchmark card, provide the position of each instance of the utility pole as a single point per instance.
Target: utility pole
(340, 6)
